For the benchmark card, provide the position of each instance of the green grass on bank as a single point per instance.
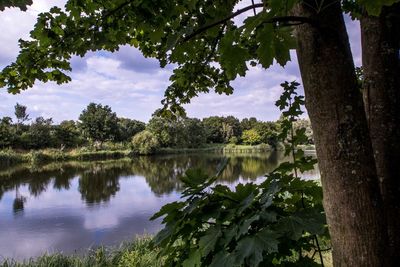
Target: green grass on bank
(134, 254)
(138, 253)
(9, 157)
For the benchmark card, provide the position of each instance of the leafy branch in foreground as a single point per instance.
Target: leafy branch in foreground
(274, 223)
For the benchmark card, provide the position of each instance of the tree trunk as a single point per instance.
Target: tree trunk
(352, 198)
(381, 64)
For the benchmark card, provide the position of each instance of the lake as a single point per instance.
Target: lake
(70, 207)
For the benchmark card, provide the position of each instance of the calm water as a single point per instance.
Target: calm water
(70, 207)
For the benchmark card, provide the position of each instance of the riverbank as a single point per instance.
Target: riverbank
(138, 253)
(10, 157)
(129, 254)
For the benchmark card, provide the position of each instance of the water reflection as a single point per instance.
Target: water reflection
(99, 181)
(67, 206)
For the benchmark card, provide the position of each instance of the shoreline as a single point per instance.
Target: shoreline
(11, 157)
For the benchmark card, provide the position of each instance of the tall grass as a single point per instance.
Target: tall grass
(9, 157)
(134, 254)
(231, 148)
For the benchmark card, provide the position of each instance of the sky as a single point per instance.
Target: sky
(132, 85)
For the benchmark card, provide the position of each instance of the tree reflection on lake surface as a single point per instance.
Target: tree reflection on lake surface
(75, 205)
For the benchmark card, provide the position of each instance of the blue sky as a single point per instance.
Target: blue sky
(133, 85)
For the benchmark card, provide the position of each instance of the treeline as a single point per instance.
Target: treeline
(98, 124)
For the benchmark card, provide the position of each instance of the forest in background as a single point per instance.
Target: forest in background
(98, 124)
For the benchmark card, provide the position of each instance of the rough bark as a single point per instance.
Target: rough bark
(381, 90)
(334, 103)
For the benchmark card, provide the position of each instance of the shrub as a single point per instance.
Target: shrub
(145, 143)
(251, 137)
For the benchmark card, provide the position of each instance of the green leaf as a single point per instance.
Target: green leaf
(250, 249)
(233, 57)
(194, 259)
(265, 51)
(223, 259)
(208, 241)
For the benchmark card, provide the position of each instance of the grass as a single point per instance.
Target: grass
(9, 157)
(133, 254)
(138, 253)
(220, 148)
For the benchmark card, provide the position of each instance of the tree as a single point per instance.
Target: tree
(67, 134)
(213, 126)
(268, 132)
(20, 114)
(39, 134)
(251, 137)
(194, 133)
(230, 128)
(145, 143)
(127, 128)
(99, 123)
(7, 134)
(248, 124)
(210, 51)
(165, 130)
(381, 91)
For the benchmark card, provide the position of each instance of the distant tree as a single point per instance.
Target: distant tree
(248, 123)
(67, 134)
(231, 128)
(20, 114)
(194, 133)
(222, 129)
(7, 134)
(145, 143)
(251, 137)
(39, 133)
(166, 130)
(99, 123)
(268, 131)
(213, 128)
(127, 128)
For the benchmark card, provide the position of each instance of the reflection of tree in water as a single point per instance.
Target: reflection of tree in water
(163, 173)
(99, 184)
(99, 181)
(19, 201)
(62, 180)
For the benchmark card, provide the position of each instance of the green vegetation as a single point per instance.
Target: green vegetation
(137, 253)
(145, 143)
(8, 157)
(98, 123)
(280, 221)
(99, 128)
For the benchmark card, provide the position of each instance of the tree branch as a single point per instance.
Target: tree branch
(285, 19)
(234, 14)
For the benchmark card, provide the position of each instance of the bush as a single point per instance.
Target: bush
(145, 143)
(251, 137)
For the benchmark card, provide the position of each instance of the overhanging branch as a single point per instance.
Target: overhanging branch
(234, 14)
(286, 20)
